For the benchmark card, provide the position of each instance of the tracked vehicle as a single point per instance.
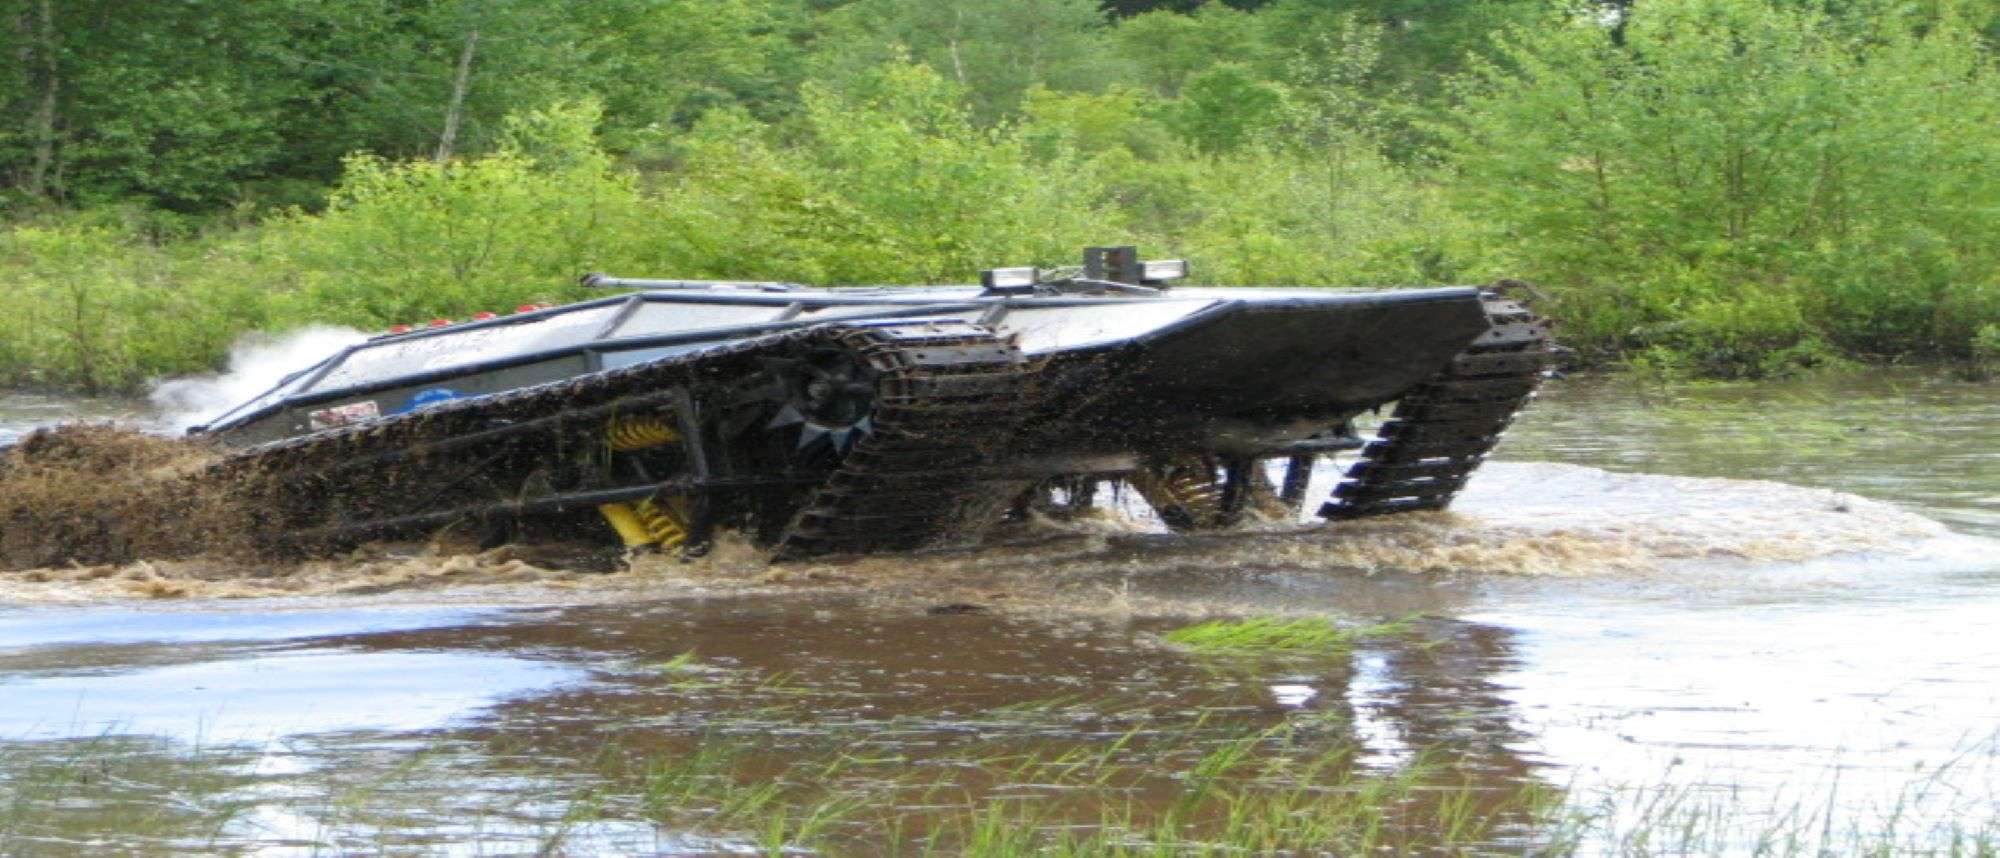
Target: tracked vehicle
(856, 420)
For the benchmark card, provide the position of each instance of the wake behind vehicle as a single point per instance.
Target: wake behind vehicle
(858, 420)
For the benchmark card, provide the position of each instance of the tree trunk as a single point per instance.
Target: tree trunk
(957, 29)
(459, 84)
(42, 119)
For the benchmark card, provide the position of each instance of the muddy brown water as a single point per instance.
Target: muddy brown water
(1757, 595)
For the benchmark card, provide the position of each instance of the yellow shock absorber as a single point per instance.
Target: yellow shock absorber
(647, 522)
(663, 526)
(625, 520)
(639, 432)
(1185, 493)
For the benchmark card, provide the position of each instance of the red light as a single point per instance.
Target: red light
(526, 308)
(439, 323)
(482, 316)
(399, 329)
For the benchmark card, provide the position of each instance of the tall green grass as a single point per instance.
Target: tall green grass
(1194, 789)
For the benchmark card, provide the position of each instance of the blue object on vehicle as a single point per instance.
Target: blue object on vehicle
(428, 398)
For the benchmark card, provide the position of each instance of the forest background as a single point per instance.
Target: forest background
(1699, 187)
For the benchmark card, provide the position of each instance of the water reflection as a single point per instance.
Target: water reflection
(936, 691)
(541, 698)
(235, 677)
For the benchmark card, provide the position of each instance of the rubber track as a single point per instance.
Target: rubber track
(1442, 429)
(951, 396)
(947, 389)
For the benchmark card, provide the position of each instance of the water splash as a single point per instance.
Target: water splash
(1520, 520)
(256, 364)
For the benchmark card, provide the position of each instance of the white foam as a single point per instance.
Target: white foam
(256, 364)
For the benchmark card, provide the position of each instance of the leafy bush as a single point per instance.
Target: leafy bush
(1986, 349)
(1714, 187)
(96, 308)
(411, 240)
(1794, 174)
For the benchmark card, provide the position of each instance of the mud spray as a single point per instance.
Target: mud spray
(92, 513)
(82, 496)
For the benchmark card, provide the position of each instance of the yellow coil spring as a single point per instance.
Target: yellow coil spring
(1194, 489)
(1190, 486)
(626, 434)
(661, 524)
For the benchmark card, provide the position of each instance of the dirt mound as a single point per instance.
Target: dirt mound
(85, 494)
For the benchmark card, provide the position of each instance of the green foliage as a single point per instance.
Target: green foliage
(1986, 352)
(199, 104)
(1277, 216)
(93, 308)
(1091, 124)
(892, 182)
(1986, 344)
(1165, 49)
(407, 241)
(1739, 179)
(1227, 107)
(1709, 187)
(1423, 42)
(996, 50)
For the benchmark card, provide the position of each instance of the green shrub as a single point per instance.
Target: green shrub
(1986, 352)
(94, 307)
(1754, 178)
(411, 240)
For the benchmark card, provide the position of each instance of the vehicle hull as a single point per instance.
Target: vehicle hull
(844, 421)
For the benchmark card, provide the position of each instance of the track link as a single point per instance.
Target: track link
(950, 395)
(952, 398)
(1442, 429)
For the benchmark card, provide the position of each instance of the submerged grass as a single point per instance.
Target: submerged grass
(57, 798)
(1261, 635)
(1190, 791)
(1199, 788)
(141, 797)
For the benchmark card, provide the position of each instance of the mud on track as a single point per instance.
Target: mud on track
(83, 494)
(93, 513)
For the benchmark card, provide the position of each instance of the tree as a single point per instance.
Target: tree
(1422, 42)
(1734, 169)
(1226, 107)
(197, 105)
(137, 100)
(994, 50)
(1166, 48)
(660, 63)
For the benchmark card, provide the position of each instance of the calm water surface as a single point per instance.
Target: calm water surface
(1661, 589)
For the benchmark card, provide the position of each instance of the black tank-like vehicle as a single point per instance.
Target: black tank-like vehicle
(854, 420)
